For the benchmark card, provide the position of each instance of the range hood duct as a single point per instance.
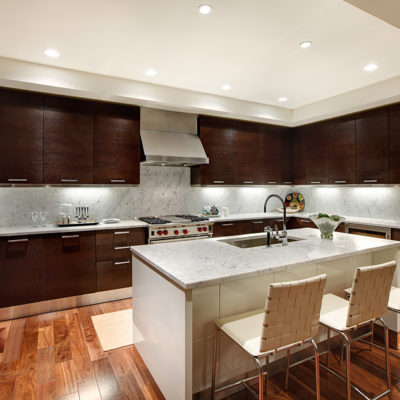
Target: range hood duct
(170, 138)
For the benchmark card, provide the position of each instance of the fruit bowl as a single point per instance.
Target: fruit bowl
(326, 224)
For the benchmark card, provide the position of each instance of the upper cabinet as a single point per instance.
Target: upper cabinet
(271, 156)
(342, 150)
(298, 156)
(286, 159)
(372, 146)
(116, 144)
(21, 137)
(216, 134)
(394, 141)
(68, 140)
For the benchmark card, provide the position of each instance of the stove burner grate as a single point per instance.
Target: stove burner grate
(154, 220)
(192, 218)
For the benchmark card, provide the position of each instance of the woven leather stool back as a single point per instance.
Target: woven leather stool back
(370, 293)
(292, 312)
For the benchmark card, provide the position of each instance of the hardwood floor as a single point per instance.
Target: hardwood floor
(57, 356)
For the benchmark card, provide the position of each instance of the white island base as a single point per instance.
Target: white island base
(177, 323)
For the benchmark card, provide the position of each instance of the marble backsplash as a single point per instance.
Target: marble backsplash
(166, 190)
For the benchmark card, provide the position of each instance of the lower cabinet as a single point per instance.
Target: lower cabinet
(296, 223)
(21, 270)
(245, 227)
(70, 267)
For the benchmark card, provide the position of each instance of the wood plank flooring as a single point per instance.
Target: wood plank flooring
(57, 356)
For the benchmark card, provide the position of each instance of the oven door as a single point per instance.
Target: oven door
(369, 230)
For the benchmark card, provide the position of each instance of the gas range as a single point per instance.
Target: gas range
(172, 228)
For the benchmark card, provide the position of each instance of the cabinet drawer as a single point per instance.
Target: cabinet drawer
(114, 274)
(256, 226)
(228, 228)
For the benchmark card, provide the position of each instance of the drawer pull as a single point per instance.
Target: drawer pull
(70, 237)
(257, 222)
(227, 224)
(121, 262)
(218, 181)
(304, 220)
(340, 181)
(288, 183)
(17, 240)
(370, 180)
(117, 180)
(315, 182)
(272, 182)
(69, 180)
(121, 248)
(122, 233)
(249, 182)
(17, 180)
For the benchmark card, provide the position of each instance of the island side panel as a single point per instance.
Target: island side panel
(163, 314)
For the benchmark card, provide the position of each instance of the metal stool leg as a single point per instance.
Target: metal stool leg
(329, 347)
(348, 370)
(260, 379)
(372, 336)
(387, 357)
(317, 381)
(287, 369)
(341, 352)
(266, 375)
(216, 334)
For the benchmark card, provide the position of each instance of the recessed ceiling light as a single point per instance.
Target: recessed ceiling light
(371, 67)
(52, 53)
(226, 87)
(205, 9)
(306, 44)
(151, 72)
(282, 99)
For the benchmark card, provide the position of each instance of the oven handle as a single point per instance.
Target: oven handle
(178, 239)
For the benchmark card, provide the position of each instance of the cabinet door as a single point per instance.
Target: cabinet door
(21, 137)
(116, 144)
(21, 271)
(217, 137)
(394, 142)
(69, 264)
(342, 150)
(372, 147)
(229, 228)
(298, 154)
(247, 153)
(256, 225)
(68, 140)
(286, 161)
(395, 234)
(297, 222)
(316, 153)
(270, 170)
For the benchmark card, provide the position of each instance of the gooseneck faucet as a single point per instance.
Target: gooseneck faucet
(284, 233)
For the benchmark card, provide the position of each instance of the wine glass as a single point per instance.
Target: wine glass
(43, 218)
(35, 218)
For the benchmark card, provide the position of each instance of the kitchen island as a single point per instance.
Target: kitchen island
(180, 288)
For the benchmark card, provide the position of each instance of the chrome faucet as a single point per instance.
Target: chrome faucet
(284, 233)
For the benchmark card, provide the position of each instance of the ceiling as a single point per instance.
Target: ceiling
(252, 46)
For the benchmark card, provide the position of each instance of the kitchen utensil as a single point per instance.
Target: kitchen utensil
(214, 210)
(225, 211)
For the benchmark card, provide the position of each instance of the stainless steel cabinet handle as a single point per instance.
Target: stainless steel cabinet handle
(121, 262)
(248, 182)
(218, 181)
(227, 224)
(304, 220)
(17, 180)
(121, 248)
(117, 180)
(272, 182)
(370, 180)
(69, 180)
(315, 181)
(69, 236)
(287, 182)
(257, 222)
(340, 181)
(17, 240)
(122, 233)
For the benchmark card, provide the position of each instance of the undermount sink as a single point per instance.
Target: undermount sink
(259, 241)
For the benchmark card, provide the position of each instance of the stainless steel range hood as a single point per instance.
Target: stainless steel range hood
(170, 138)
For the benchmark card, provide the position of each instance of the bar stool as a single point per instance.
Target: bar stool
(368, 303)
(290, 318)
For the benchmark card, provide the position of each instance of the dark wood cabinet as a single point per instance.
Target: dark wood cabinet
(21, 137)
(114, 258)
(316, 153)
(298, 156)
(298, 222)
(342, 150)
(229, 228)
(216, 135)
(116, 145)
(271, 161)
(286, 159)
(21, 270)
(394, 144)
(70, 268)
(372, 146)
(68, 140)
(395, 234)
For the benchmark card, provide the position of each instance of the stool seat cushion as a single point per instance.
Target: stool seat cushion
(244, 329)
(334, 312)
(394, 298)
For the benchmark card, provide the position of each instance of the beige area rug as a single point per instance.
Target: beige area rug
(116, 329)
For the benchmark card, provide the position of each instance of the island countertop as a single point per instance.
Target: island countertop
(198, 263)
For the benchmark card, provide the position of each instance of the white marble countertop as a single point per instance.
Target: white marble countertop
(197, 263)
(52, 228)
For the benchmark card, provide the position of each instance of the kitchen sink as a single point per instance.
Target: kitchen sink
(259, 241)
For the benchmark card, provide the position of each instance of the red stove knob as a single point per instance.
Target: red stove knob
(176, 232)
(165, 232)
(199, 229)
(185, 231)
(159, 233)
(205, 229)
